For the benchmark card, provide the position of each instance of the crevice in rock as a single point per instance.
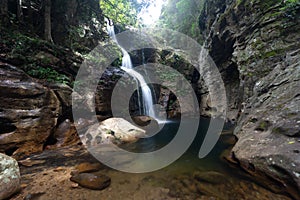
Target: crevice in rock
(11, 151)
(6, 126)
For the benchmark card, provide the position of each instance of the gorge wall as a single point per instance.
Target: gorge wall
(256, 44)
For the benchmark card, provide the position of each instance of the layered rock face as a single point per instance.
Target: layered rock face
(260, 41)
(28, 112)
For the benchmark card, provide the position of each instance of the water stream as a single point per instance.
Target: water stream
(147, 99)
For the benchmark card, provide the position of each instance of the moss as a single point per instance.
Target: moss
(269, 54)
(272, 53)
(278, 130)
(263, 126)
(266, 4)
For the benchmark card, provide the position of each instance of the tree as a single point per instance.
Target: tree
(47, 16)
(120, 11)
(3, 12)
(19, 11)
(183, 16)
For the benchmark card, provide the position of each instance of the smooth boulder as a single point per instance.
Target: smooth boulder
(113, 130)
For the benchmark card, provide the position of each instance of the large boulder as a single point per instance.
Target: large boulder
(112, 130)
(10, 179)
(28, 112)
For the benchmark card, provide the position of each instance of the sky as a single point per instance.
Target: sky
(149, 15)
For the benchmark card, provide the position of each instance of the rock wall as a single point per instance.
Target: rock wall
(28, 112)
(257, 42)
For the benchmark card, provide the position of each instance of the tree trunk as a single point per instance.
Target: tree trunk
(3, 12)
(19, 11)
(48, 36)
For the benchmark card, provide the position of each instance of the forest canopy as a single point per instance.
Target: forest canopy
(120, 11)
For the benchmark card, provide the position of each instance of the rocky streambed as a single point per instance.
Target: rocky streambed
(53, 174)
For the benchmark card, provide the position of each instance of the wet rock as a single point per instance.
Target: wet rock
(94, 181)
(28, 113)
(146, 123)
(113, 130)
(10, 179)
(105, 88)
(228, 139)
(88, 167)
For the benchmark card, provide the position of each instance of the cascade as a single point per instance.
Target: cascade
(128, 67)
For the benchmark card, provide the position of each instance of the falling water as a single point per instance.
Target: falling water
(128, 67)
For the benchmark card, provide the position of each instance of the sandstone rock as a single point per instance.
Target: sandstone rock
(113, 130)
(65, 134)
(64, 94)
(29, 162)
(28, 112)
(94, 181)
(9, 176)
(88, 167)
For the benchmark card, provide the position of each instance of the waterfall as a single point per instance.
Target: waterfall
(128, 67)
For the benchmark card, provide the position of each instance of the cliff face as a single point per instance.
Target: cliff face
(259, 41)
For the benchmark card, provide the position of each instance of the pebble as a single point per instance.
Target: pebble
(34, 196)
(74, 185)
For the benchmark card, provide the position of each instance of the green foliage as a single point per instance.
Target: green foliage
(183, 16)
(120, 11)
(291, 8)
(22, 44)
(48, 74)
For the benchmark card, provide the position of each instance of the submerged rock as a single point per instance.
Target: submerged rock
(10, 180)
(113, 130)
(211, 177)
(94, 181)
